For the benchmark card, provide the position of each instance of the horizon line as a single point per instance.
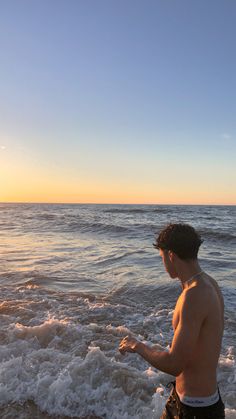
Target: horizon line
(109, 203)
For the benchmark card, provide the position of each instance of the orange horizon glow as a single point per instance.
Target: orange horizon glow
(61, 192)
(39, 190)
(25, 180)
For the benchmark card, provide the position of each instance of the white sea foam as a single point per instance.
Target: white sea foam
(52, 365)
(66, 383)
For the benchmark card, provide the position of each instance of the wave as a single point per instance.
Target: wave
(101, 227)
(145, 295)
(104, 261)
(96, 227)
(217, 235)
(137, 210)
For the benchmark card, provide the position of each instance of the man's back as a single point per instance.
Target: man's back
(201, 309)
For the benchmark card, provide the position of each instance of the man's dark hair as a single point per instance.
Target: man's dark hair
(182, 239)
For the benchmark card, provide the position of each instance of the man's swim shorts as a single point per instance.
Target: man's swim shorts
(175, 409)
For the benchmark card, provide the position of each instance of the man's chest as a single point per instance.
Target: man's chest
(176, 315)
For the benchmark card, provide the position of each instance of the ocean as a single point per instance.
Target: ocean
(76, 279)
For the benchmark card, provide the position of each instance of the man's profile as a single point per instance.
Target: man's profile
(198, 323)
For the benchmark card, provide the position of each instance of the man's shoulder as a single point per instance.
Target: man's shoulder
(195, 301)
(199, 290)
(194, 293)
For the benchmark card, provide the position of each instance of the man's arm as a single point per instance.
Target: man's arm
(191, 317)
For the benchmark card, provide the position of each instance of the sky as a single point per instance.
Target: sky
(107, 101)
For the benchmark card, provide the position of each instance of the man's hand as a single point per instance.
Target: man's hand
(128, 344)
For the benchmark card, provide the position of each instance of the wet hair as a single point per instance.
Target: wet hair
(182, 239)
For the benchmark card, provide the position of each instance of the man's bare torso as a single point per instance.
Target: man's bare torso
(199, 375)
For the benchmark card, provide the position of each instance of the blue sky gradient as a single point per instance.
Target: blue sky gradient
(107, 94)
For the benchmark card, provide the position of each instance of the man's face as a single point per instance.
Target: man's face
(168, 263)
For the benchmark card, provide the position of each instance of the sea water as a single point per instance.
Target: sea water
(76, 279)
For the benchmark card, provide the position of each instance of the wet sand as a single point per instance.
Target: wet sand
(29, 410)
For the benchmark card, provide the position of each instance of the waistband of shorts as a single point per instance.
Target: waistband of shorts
(196, 401)
(199, 401)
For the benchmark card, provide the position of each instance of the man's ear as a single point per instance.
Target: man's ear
(171, 255)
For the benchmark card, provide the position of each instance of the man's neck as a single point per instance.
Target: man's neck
(188, 271)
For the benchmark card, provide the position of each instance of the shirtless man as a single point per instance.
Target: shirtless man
(198, 323)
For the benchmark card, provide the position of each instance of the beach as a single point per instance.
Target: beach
(76, 279)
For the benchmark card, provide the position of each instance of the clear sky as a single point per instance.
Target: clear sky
(118, 101)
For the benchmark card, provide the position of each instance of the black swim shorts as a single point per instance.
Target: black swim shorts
(175, 409)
